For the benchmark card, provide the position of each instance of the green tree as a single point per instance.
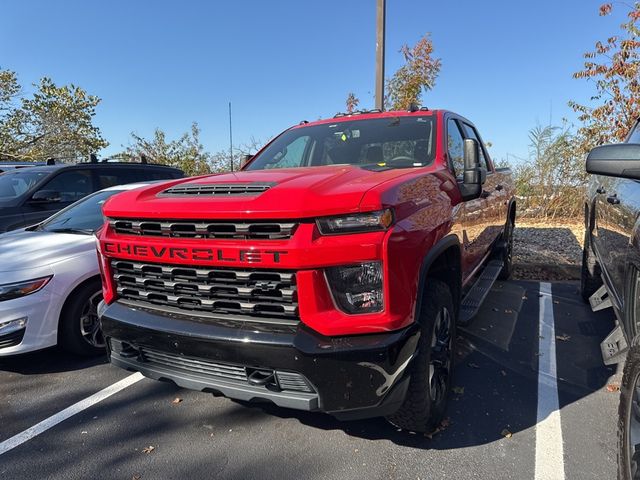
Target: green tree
(614, 66)
(56, 121)
(186, 153)
(416, 76)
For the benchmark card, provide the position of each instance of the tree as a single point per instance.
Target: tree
(416, 76)
(352, 102)
(186, 153)
(614, 65)
(221, 160)
(57, 121)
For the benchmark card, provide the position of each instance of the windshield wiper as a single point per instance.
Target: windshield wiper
(83, 231)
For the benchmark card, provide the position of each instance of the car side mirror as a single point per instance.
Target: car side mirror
(45, 196)
(620, 160)
(474, 175)
(245, 159)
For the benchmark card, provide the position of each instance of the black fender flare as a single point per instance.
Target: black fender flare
(434, 253)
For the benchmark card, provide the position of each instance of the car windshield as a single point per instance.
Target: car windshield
(14, 184)
(84, 216)
(381, 143)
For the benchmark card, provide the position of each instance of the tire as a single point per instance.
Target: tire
(432, 369)
(79, 328)
(507, 251)
(628, 448)
(590, 280)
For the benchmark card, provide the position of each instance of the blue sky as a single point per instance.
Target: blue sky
(506, 65)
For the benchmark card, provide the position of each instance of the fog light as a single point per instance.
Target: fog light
(12, 326)
(357, 288)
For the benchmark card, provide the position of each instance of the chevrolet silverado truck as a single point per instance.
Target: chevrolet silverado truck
(328, 274)
(611, 276)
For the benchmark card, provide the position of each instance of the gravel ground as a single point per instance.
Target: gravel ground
(547, 250)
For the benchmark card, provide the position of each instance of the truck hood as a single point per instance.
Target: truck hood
(288, 193)
(22, 249)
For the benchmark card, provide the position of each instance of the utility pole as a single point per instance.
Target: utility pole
(380, 26)
(230, 139)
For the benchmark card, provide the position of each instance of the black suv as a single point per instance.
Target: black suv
(29, 195)
(611, 276)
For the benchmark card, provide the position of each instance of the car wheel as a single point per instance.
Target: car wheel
(629, 418)
(507, 251)
(590, 271)
(431, 370)
(79, 331)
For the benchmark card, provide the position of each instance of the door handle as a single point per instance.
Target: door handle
(600, 190)
(613, 199)
(499, 187)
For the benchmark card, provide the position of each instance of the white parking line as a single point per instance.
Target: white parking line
(549, 449)
(68, 412)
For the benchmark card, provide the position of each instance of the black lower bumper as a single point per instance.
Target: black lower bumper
(348, 377)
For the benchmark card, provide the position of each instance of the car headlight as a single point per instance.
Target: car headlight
(357, 288)
(9, 291)
(356, 223)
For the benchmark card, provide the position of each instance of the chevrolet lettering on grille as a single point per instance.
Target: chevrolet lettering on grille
(194, 253)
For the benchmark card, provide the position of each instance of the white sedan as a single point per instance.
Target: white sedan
(50, 281)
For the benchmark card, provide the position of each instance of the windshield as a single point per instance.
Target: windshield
(84, 216)
(14, 184)
(381, 143)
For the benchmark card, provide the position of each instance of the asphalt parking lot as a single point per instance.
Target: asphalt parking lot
(502, 423)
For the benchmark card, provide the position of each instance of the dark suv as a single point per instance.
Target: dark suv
(611, 275)
(29, 195)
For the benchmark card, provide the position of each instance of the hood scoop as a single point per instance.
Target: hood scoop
(217, 189)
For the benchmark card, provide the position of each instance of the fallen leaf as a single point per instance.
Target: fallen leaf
(458, 390)
(444, 424)
(506, 433)
(508, 310)
(473, 365)
(176, 400)
(148, 449)
(136, 477)
(556, 302)
(503, 373)
(613, 387)
(563, 337)
(524, 297)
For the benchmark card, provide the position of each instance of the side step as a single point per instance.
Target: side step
(614, 347)
(600, 300)
(471, 303)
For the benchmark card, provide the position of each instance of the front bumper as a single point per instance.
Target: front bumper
(349, 377)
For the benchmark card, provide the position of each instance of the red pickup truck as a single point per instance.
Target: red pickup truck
(327, 275)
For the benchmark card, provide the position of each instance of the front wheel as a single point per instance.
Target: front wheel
(629, 418)
(590, 270)
(432, 369)
(79, 330)
(507, 252)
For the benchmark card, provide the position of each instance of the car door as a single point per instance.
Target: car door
(617, 206)
(63, 189)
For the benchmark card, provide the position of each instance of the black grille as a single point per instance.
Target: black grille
(218, 189)
(291, 381)
(198, 229)
(260, 294)
(12, 339)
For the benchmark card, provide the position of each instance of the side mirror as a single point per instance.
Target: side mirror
(245, 159)
(474, 175)
(45, 196)
(620, 160)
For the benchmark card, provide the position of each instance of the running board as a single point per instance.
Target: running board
(471, 303)
(600, 300)
(614, 347)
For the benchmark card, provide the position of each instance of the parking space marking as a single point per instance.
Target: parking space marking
(549, 448)
(68, 412)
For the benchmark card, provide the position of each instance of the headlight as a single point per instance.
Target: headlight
(357, 288)
(10, 291)
(356, 223)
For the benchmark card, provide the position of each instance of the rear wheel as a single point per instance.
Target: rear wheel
(432, 369)
(79, 330)
(629, 418)
(590, 271)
